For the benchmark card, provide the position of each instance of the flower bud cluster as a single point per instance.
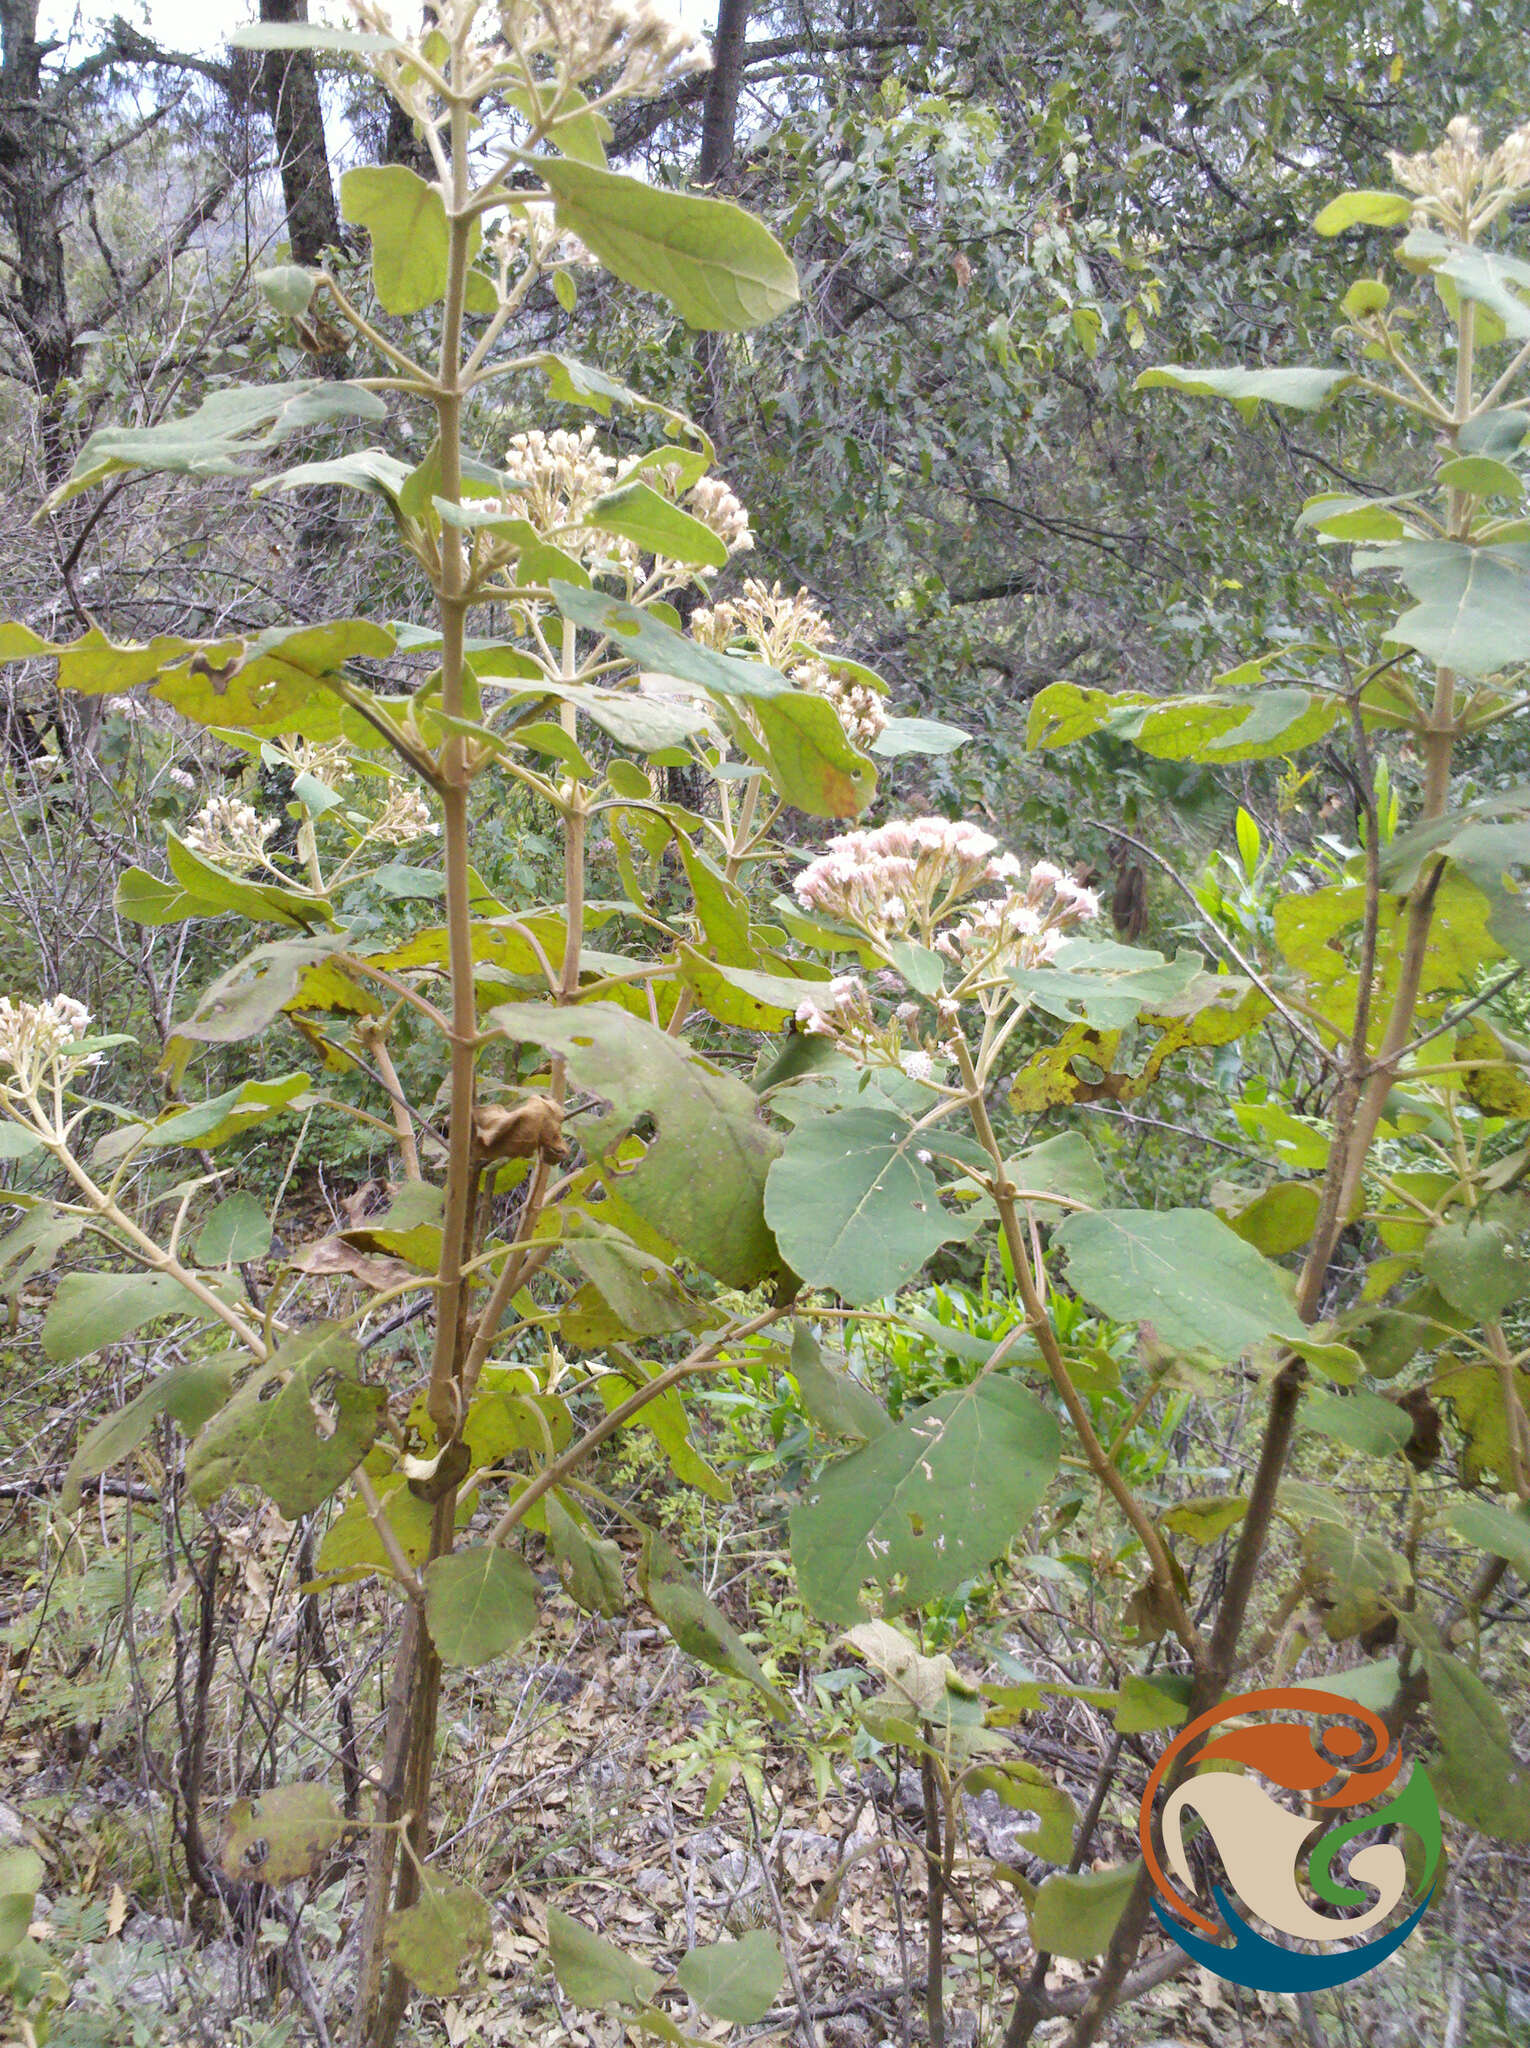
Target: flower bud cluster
(861, 710)
(1023, 927)
(563, 475)
(780, 628)
(792, 634)
(651, 45)
(405, 817)
(37, 1036)
(900, 879)
(1460, 185)
(716, 506)
(530, 231)
(229, 832)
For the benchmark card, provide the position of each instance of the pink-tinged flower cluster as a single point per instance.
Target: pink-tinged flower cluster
(899, 879)
(1023, 927)
(835, 1007)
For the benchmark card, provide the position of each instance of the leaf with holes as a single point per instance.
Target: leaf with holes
(854, 1206)
(296, 1429)
(281, 1834)
(930, 1502)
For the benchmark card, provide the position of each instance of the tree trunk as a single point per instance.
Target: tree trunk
(291, 88)
(719, 122)
(39, 304)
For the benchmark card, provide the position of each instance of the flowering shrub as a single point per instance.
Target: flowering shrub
(579, 1277)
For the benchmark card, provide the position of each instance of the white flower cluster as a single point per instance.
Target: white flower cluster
(861, 710)
(717, 507)
(125, 707)
(33, 1036)
(404, 817)
(229, 832)
(779, 627)
(651, 45)
(792, 634)
(1023, 927)
(531, 229)
(1457, 183)
(835, 1007)
(901, 878)
(563, 474)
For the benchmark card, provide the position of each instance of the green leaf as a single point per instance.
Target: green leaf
(636, 511)
(1364, 210)
(1473, 613)
(652, 645)
(187, 1393)
(287, 287)
(280, 1834)
(1505, 1532)
(1149, 1703)
(666, 1416)
(33, 1246)
(589, 1567)
(717, 266)
(270, 1434)
(1076, 1915)
(701, 1180)
(215, 440)
(1494, 280)
(1096, 981)
(833, 1399)
(592, 1972)
(90, 1310)
(21, 1873)
(735, 1981)
(432, 1941)
(1064, 1166)
(1280, 1218)
(18, 1142)
(1304, 390)
(1479, 1778)
(211, 891)
(1482, 476)
(698, 1624)
(221, 1117)
(814, 764)
(903, 736)
(479, 1604)
(1200, 1286)
(643, 1295)
(1357, 1574)
(1477, 1266)
(406, 219)
(931, 1501)
(1368, 1423)
(852, 1204)
(1205, 1517)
